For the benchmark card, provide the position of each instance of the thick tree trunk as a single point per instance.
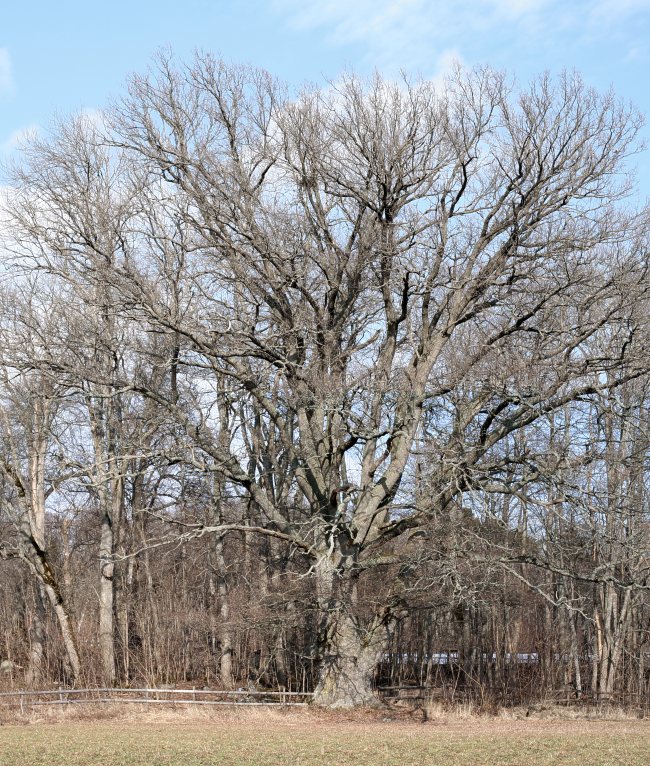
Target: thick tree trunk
(36, 558)
(33, 533)
(225, 631)
(575, 654)
(105, 420)
(348, 662)
(123, 583)
(106, 592)
(36, 633)
(350, 647)
(37, 528)
(112, 502)
(616, 625)
(67, 632)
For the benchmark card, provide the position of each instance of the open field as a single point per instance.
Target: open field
(304, 739)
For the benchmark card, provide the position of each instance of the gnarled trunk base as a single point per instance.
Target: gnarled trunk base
(345, 683)
(349, 660)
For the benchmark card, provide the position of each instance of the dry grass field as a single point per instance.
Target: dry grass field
(271, 738)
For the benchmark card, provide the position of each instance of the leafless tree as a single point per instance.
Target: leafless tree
(362, 324)
(375, 257)
(31, 399)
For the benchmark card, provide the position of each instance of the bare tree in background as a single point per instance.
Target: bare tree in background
(30, 400)
(70, 210)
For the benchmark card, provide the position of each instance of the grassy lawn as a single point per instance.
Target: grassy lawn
(304, 742)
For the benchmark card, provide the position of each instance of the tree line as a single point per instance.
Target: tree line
(329, 388)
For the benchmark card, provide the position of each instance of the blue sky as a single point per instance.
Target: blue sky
(59, 57)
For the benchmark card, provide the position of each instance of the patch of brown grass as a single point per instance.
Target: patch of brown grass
(126, 713)
(263, 737)
(122, 735)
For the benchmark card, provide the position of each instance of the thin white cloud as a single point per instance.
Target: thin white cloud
(412, 33)
(637, 53)
(445, 63)
(514, 9)
(15, 139)
(6, 72)
(359, 21)
(403, 33)
(619, 9)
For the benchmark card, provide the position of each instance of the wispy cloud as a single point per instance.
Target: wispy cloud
(619, 9)
(637, 53)
(382, 26)
(513, 9)
(406, 32)
(6, 72)
(15, 139)
(415, 33)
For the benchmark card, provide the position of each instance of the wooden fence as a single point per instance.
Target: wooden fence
(152, 696)
(414, 695)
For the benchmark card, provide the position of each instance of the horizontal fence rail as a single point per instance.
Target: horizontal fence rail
(159, 696)
(408, 694)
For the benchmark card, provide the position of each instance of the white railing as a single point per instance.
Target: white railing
(95, 695)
